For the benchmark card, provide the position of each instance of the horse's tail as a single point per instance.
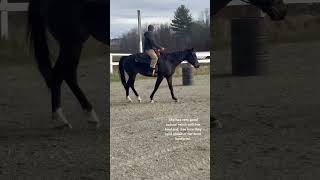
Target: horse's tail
(121, 71)
(38, 40)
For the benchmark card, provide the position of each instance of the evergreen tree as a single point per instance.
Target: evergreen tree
(182, 22)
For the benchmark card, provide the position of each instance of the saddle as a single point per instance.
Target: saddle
(145, 58)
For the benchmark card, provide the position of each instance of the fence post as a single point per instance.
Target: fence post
(140, 31)
(111, 64)
(4, 19)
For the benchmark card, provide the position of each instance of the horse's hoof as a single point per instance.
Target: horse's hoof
(139, 99)
(152, 101)
(93, 118)
(59, 125)
(62, 126)
(60, 120)
(176, 100)
(129, 99)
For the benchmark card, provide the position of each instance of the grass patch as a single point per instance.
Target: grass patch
(14, 52)
(17, 51)
(294, 29)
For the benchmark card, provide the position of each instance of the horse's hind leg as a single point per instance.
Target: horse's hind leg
(72, 52)
(57, 114)
(133, 78)
(128, 85)
(127, 94)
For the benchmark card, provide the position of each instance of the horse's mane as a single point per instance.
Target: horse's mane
(174, 53)
(174, 56)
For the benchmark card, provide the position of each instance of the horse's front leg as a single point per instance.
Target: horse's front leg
(72, 54)
(169, 80)
(159, 80)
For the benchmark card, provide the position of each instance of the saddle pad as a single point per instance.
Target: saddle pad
(142, 58)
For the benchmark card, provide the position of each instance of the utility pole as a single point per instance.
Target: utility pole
(139, 31)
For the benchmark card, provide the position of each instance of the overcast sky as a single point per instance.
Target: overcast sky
(124, 12)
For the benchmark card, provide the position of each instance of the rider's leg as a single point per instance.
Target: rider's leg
(154, 60)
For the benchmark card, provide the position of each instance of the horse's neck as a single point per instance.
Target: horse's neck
(176, 58)
(217, 5)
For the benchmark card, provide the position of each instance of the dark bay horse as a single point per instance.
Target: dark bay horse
(167, 64)
(71, 23)
(276, 9)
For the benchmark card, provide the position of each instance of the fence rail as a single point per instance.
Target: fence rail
(203, 58)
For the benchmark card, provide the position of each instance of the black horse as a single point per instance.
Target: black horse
(276, 9)
(166, 66)
(71, 23)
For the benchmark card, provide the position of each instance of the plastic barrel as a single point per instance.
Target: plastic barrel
(248, 44)
(186, 75)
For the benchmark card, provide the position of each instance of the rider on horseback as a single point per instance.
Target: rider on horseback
(149, 47)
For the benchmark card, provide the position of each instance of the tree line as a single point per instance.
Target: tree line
(183, 32)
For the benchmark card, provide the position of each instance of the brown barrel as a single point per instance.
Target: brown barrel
(249, 46)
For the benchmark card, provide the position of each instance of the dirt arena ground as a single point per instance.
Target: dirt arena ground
(271, 123)
(28, 148)
(139, 147)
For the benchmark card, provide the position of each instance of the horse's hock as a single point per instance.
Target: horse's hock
(248, 44)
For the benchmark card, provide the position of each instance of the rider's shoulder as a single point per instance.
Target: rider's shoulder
(147, 33)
